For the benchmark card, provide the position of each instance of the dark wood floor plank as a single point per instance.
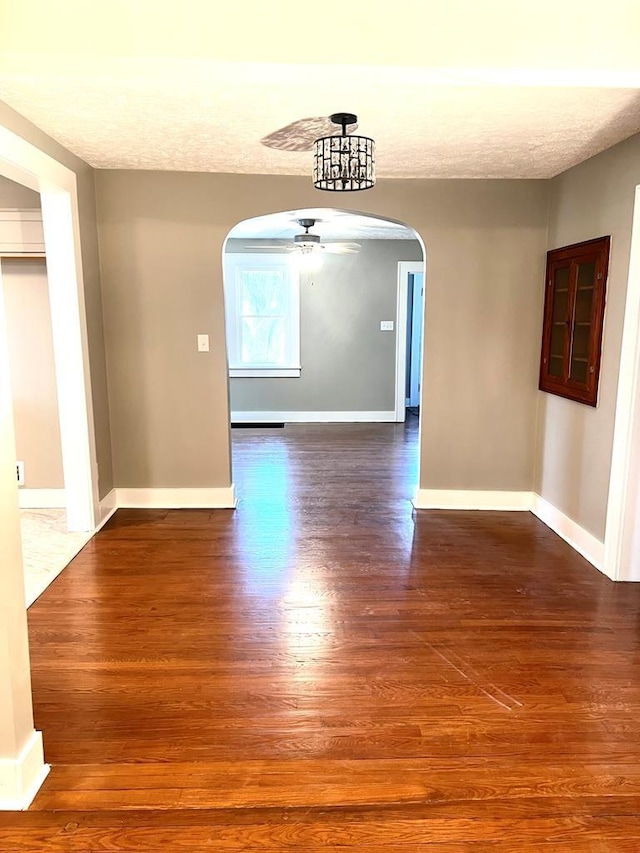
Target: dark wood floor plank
(326, 669)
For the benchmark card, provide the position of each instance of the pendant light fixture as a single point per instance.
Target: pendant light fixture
(344, 163)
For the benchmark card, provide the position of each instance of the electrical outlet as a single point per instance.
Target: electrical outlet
(386, 325)
(20, 473)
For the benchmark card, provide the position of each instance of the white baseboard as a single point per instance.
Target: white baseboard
(591, 548)
(106, 508)
(42, 498)
(21, 778)
(224, 498)
(312, 417)
(471, 499)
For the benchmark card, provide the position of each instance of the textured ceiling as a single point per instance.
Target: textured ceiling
(330, 225)
(454, 90)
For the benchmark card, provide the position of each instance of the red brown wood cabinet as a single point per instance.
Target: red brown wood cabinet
(573, 320)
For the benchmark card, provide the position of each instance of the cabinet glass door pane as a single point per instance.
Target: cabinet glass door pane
(579, 371)
(585, 291)
(559, 321)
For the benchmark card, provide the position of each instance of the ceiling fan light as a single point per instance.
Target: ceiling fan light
(344, 163)
(308, 261)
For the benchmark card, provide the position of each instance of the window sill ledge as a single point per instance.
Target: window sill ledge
(264, 372)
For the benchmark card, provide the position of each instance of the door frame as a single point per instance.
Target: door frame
(621, 542)
(405, 269)
(27, 165)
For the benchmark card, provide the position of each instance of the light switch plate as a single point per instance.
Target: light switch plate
(203, 343)
(386, 325)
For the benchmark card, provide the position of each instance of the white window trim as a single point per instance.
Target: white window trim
(264, 372)
(234, 262)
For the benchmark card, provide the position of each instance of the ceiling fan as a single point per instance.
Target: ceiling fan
(307, 243)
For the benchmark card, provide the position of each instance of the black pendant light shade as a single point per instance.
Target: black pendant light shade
(344, 163)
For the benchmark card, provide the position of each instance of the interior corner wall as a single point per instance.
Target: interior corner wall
(33, 379)
(573, 462)
(348, 364)
(16, 123)
(161, 241)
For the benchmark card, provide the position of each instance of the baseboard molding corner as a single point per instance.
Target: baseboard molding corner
(21, 778)
(205, 498)
(42, 498)
(468, 499)
(106, 508)
(313, 417)
(585, 543)
(591, 548)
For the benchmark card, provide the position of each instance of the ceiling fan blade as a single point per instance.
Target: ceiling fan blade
(341, 248)
(301, 134)
(284, 245)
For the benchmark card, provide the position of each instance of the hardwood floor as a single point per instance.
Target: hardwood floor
(325, 669)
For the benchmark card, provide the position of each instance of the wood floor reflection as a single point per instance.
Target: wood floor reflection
(325, 669)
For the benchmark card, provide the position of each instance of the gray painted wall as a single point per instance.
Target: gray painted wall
(348, 364)
(16, 123)
(575, 441)
(161, 241)
(15, 195)
(33, 380)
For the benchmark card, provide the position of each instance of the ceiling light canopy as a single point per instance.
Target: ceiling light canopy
(344, 163)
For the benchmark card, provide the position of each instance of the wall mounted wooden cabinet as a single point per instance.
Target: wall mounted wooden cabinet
(573, 320)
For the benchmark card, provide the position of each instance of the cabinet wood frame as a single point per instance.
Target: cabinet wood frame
(596, 251)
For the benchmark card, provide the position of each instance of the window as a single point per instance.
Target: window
(263, 315)
(573, 320)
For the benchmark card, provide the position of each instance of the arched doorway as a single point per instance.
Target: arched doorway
(340, 331)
